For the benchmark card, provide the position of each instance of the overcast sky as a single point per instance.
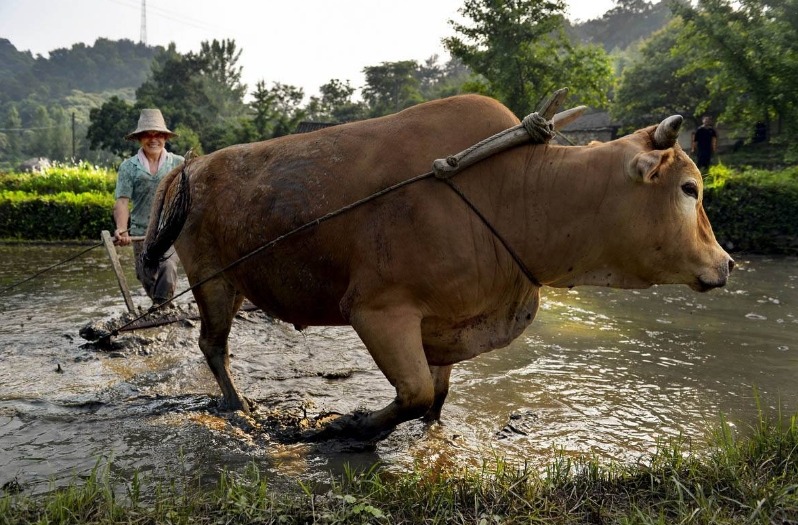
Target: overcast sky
(304, 43)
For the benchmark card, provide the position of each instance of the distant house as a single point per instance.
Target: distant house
(306, 126)
(592, 126)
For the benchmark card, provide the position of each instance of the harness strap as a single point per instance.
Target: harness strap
(455, 188)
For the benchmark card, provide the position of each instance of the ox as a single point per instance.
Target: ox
(423, 281)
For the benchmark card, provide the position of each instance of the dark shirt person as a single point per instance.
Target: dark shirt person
(704, 144)
(136, 183)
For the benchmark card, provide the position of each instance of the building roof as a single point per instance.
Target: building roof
(599, 120)
(306, 126)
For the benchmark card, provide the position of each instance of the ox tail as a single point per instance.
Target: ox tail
(168, 215)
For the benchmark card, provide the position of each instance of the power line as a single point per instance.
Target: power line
(179, 18)
(35, 129)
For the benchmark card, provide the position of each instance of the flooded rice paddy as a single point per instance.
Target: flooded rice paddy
(603, 372)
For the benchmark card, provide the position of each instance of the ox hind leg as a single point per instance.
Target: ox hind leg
(393, 338)
(218, 303)
(440, 379)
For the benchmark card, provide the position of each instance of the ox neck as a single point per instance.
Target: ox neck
(567, 200)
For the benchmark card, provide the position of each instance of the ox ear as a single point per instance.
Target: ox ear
(646, 166)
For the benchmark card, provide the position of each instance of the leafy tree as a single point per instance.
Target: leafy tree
(109, 125)
(41, 132)
(60, 136)
(287, 111)
(200, 91)
(186, 139)
(176, 88)
(335, 104)
(391, 87)
(262, 106)
(13, 124)
(751, 49)
(520, 50)
(661, 82)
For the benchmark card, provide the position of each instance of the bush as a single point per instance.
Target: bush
(63, 216)
(79, 178)
(63, 202)
(754, 210)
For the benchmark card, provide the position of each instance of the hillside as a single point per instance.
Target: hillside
(105, 66)
(629, 22)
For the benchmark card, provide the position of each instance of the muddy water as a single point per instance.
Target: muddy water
(602, 372)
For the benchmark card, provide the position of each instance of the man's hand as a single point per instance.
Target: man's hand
(121, 238)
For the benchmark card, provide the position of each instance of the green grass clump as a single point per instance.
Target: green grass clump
(751, 479)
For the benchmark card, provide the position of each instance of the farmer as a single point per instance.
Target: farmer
(136, 183)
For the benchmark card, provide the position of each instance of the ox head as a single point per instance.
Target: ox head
(670, 232)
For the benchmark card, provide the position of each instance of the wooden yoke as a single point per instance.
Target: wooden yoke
(537, 128)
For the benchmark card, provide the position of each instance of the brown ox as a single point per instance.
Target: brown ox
(421, 279)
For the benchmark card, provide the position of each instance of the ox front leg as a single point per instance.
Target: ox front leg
(217, 306)
(393, 338)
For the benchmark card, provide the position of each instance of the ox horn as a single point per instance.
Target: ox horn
(563, 118)
(667, 132)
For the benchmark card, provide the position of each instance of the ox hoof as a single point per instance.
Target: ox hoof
(232, 405)
(355, 427)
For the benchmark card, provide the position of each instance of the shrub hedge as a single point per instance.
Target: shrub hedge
(78, 178)
(63, 216)
(751, 210)
(754, 211)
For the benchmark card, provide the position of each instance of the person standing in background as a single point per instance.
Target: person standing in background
(136, 183)
(704, 144)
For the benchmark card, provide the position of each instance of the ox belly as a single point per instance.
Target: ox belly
(447, 342)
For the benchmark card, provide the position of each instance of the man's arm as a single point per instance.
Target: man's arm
(121, 217)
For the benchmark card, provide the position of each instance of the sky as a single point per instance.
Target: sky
(304, 43)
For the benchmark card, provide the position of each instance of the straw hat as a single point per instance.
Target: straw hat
(150, 120)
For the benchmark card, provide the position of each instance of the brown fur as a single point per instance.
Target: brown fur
(418, 276)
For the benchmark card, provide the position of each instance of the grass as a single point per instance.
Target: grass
(750, 479)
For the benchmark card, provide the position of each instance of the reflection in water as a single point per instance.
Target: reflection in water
(607, 372)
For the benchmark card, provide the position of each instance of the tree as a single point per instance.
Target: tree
(109, 125)
(751, 48)
(200, 91)
(335, 104)
(41, 135)
(520, 50)
(60, 136)
(262, 106)
(661, 82)
(14, 124)
(391, 87)
(277, 111)
(176, 88)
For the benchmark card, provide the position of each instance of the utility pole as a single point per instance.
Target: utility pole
(74, 157)
(143, 35)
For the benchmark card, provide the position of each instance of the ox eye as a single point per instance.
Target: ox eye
(690, 188)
